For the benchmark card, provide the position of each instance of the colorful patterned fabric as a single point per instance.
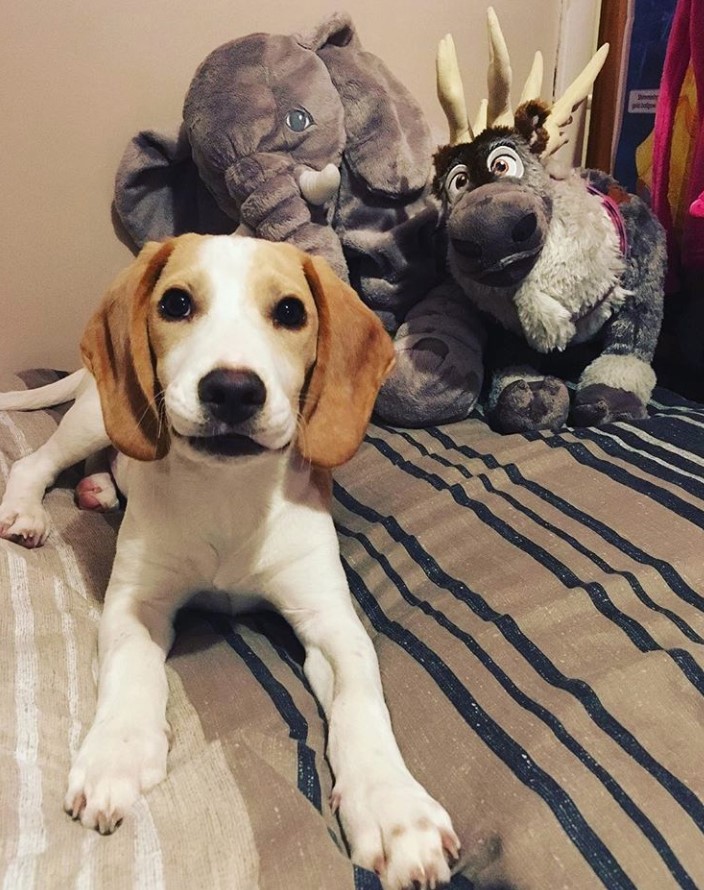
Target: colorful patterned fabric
(536, 603)
(678, 145)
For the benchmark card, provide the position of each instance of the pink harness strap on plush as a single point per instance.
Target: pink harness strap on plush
(611, 209)
(685, 45)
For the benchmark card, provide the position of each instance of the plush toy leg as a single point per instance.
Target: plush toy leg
(439, 370)
(618, 384)
(613, 387)
(521, 398)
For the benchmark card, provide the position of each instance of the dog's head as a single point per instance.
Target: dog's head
(225, 346)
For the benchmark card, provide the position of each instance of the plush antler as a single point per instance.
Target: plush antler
(451, 92)
(496, 110)
(561, 112)
(534, 82)
(499, 75)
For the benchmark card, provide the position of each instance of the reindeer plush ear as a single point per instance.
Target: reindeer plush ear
(116, 350)
(354, 356)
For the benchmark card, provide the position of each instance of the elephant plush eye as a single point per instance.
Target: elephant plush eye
(175, 304)
(299, 120)
(504, 161)
(456, 182)
(290, 313)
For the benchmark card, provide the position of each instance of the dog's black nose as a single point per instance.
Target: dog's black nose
(230, 395)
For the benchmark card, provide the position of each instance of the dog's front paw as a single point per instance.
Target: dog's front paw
(396, 829)
(117, 762)
(25, 524)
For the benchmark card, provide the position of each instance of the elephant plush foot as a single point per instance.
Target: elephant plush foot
(526, 405)
(428, 384)
(439, 368)
(598, 404)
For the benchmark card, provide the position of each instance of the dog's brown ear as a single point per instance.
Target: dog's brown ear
(117, 351)
(354, 356)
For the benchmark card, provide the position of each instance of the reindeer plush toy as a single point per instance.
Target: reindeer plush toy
(555, 258)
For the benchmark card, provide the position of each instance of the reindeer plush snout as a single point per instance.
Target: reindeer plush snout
(497, 232)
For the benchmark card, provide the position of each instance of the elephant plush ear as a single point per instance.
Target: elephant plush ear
(354, 356)
(388, 144)
(159, 193)
(337, 29)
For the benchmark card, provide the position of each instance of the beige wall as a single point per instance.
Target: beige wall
(79, 77)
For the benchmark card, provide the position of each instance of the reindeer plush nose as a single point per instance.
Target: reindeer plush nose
(231, 396)
(497, 232)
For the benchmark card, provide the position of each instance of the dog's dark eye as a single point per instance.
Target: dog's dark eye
(175, 304)
(290, 313)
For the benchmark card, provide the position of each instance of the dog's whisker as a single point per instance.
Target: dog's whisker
(302, 436)
(155, 404)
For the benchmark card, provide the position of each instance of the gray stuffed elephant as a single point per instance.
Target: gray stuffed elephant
(311, 140)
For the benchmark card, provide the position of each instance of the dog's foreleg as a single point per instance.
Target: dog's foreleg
(81, 432)
(391, 823)
(124, 753)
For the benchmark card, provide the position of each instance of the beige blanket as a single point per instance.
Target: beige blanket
(537, 608)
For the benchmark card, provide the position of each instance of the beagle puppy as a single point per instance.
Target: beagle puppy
(231, 374)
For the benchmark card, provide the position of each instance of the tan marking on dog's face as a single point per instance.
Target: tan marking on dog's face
(241, 296)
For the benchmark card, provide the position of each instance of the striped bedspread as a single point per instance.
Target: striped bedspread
(537, 606)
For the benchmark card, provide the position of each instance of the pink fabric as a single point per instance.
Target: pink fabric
(686, 43)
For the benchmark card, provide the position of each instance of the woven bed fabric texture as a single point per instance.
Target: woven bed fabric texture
(537, 607)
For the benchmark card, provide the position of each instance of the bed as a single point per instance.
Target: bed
(537, 606)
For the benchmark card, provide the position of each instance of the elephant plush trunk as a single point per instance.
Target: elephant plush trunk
(319, 186)
(268, 194)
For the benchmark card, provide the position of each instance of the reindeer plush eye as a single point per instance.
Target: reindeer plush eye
(504, 161)
(456, 182)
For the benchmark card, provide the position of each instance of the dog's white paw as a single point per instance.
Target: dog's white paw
(25, 524)
(116, 763)
(97, 492)
(394, 827)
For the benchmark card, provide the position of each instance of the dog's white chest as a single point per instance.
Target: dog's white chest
(228, 531)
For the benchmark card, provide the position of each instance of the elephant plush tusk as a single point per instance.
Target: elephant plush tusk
(244, 231)
(318, 186)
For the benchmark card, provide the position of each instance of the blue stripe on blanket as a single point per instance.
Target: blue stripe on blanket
(667, 572)
(669, 399)
(542, 713)
(581, 690)
(622, 442)
(665, 498)
(365, 879)
(667, 438)
(308, 779)
(635, 631)
(515, 476)
(596, 853)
